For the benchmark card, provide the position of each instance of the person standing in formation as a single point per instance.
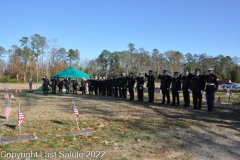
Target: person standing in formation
(186, 85)
(165, 86)
(67, 84)
(83, 84)
(211, 87)
(74, 85)
(131, 83)
(176, 87)
(60, 86)
(197, 87)
(150, 85)
(140, 83)
(54, 85)
(45, 85)
(30, 83)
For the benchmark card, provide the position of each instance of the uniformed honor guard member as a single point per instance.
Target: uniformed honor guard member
(131, 83)
(90, 86)
(165, 85)
(45, 85)
(176, 87)
(211, 87)
(96, 85)
(54, 85)
(30, 83)
(140, 83)
(60, 85)
(186, 85)
(74, 85)
(197, 87)
(116, 86)
(150, 85)
(124, 86)
(67, 84)
(83, 84)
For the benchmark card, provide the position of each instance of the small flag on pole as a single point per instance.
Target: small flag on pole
(75, 111)
(219, 102)
(21, 116)
(6, 95)
(7, 110)
(12, 97)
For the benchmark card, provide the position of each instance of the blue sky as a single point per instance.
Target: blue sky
(189, 26)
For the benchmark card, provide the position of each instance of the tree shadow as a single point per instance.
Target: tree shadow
(57, 122)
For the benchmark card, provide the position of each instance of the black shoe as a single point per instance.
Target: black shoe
(172, 104)
(194, 108)
(162, 102)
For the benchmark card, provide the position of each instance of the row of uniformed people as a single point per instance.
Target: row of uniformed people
(187, 82)
(117, 86)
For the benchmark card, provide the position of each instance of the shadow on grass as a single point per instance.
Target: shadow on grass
(11, 126)
(57, 122)
(2, 117)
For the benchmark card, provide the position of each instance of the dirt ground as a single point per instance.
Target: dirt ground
(187, 133)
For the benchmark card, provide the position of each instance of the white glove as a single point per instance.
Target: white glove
(168, 89)
(121, 87)
(140, 87)
(92, 86)
(48, 85)
(202, 91)
(113, 87)
(178, 91)
(189, 90)
(133, 88)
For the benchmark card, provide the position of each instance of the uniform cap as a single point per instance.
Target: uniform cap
(197, 69)
(164, 70)
(175, 72)
(124, 74)
(150, 71)
(210, 69)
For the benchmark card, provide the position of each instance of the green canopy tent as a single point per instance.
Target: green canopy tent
(71, 72)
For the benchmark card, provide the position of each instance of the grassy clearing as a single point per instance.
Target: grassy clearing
(123, 129)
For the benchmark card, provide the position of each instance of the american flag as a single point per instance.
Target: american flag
(6, 95)
(21, 116)
(7, 110)
(12, 97)
(75, 111)
(218, 102)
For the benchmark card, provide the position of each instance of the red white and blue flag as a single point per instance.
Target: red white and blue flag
(21, 116)
(12, 97)
(75, 111)
(6, 95)
(7, 110)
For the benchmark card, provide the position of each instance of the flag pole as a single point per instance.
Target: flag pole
(18, 115)
(76, 118)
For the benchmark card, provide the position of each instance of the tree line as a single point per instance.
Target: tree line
(36, 57)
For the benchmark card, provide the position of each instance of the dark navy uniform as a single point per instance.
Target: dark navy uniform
(186, 85)
(124, 86)
(131, 83)
(140, 83)
(197, 87)
(60, 86)
(54, 85)
(150, 85)
(211, 87)
(74, 85)
(176, 87)
(67, 84)
(165, 86)
(45, 85)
